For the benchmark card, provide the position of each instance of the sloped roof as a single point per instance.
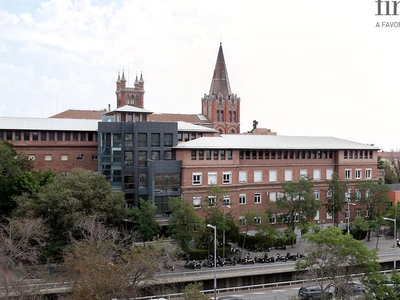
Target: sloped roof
(79, 114)
(190, 127)
(130, 108)
(189, 118)
(239, 141)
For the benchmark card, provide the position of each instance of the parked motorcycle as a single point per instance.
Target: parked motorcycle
(192, 264)
(280, 257)
(291, 256)
(230, 261)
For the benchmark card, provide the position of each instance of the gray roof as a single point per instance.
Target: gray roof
(12, 123)
(247, 141)
(185, 126)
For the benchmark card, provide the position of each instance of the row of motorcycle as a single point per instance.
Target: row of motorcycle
(232, 261)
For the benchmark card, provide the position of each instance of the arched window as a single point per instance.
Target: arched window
(217, 115)
(234, 116)
(230, 116)
(222, 116)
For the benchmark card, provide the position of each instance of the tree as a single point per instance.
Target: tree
(390, 176)
(184, 222)
(17, 176)
(192, 292)
(21, 242)
(67, 200)
(144, 221)
(375, 198)
(104, 264)
(335, 197)
(296, 203)
(332, 257)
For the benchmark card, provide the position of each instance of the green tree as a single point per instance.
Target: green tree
(335, 197)
(332, 257)
(17, 176)
(390, 176)
(375, 198)
(296, 204)
(144, 221)
(69, 199)
(184, 222)
(192, 292)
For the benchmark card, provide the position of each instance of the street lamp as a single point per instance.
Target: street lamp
(394, 240)
(223, 232)
(215, 258)
(348, 216)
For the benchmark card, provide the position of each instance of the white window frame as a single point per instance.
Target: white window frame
(272, 219)
(348, 195)
(272, 196)
(347, 174)
(64, 157)
(242, 221)
(32, 157)
(358, 173)
(273, 175)
(196, 178)
(316, 195)
(257, 198)
(212, 201)
(48, 157)
(303, 173)
(211, 177)
(368, 173)
(257, 220)
(226, 177)
(329, 216)
(317, 174)
(329, 174)
(242, 199)
(242, 176)
(226, 200)
(197, 202)
(316, 217)
(288, 175)
(258, 176)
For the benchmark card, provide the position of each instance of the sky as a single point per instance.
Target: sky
(300, 67)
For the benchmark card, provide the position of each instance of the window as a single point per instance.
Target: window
(208, 154)
(257, 220)
(155, 140)
(316, 216)
(272, 196)
(329, 174)
(358, 194)
(128, 158)
(32, 157)
(196, 179)
(26, 136)
(142, 158)
(83, 136)
(242, 221)
(128, 140)
(303, 173)
(155, 155)
(94, 157)
(367, 213)
(196, 202)
(242, 176)
(329, 216)
(142, 140)
(272, 219)
(201, 154)
(48, 157)
(211, 200)
(79, 156)
(226, 200)
(368, 173)
(257, 198)
(226, 177)
(64, 157)
(358, 213)
(316, 195)
(242, 199)
(229, 154)
(168, 155)
(288, 175)
(193, 155)
(168, 138)
(273, 175)
(43, 136)
(347, 174)
(17, 135)
(67, 136)
(222, 154)
(348, 195)
(257, 176)
(212, 178)
(367, 193)
(358, 173)
(35, 135)
(316, 174)
(215, 154)
(74, 136)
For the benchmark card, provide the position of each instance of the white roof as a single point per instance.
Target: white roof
(247, 141)
(185, 126)
(130, 108)
(12, 123)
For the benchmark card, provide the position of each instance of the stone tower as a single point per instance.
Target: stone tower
(128, 95)
(221, 106)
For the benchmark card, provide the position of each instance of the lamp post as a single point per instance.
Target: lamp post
(223, 233)
(348, 216)
(394, 240)
(215, 259)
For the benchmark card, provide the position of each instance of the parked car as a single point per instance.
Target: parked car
(312, 292)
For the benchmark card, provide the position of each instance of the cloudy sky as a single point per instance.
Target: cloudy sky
(309, 68)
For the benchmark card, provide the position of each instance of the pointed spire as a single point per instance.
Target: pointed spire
(119, 78)
(220, 81)
(123, 77)
(141, 77)
(136, 80)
